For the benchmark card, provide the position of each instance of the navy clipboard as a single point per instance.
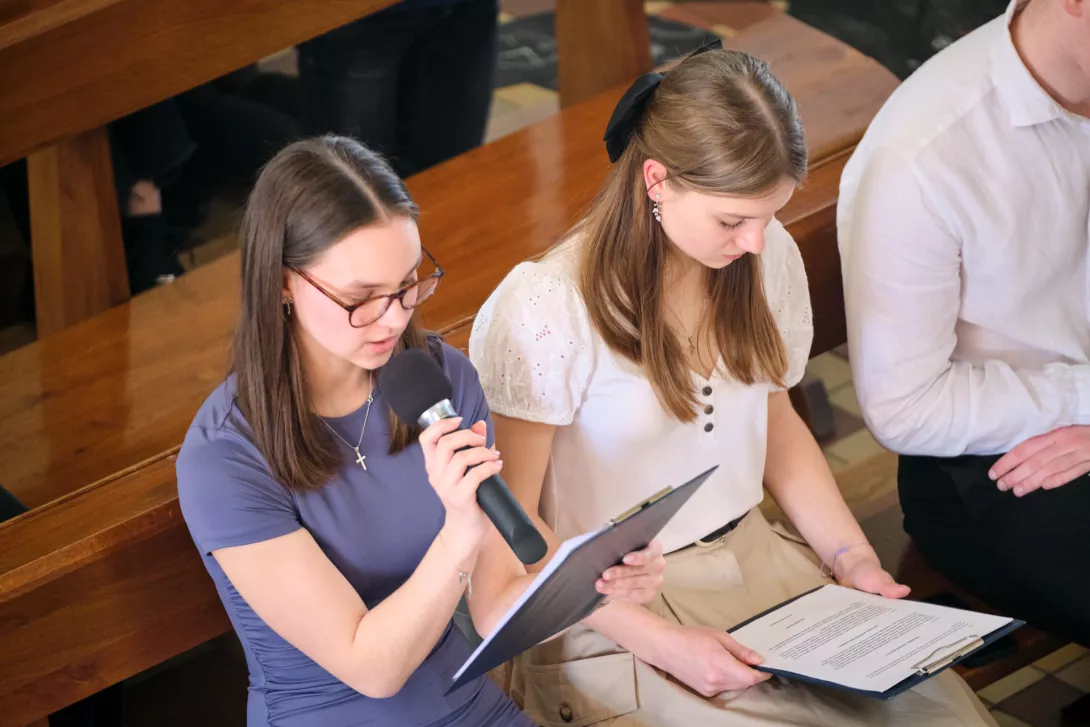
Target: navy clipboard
(927, 671)
(564, 593)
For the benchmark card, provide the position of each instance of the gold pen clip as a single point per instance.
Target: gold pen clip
(646, 503)
(928, 667)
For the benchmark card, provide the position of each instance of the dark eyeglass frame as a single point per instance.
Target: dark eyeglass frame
(390, 297)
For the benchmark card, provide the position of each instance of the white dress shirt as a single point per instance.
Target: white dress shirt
(541, 360)
(964, 225)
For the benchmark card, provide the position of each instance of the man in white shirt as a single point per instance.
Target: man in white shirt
(964, 227)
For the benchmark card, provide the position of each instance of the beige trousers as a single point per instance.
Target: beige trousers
(583, 678)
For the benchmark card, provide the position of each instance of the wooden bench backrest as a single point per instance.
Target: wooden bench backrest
(122, 387)
(71, 65)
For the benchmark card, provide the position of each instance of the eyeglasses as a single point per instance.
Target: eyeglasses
(371, 309)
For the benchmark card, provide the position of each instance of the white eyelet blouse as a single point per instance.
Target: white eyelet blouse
(540, 360)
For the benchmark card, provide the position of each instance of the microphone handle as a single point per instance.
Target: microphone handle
(497, 502)
(505, 512)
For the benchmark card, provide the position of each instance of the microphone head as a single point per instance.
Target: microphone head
(413, 382)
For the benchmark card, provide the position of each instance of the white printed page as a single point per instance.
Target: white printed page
(860, 640)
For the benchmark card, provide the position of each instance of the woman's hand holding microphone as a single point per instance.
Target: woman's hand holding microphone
(456, 484)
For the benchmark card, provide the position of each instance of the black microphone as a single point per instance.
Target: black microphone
(419, 391)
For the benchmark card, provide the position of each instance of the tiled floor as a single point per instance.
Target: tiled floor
(206, 686)
(1035, 695)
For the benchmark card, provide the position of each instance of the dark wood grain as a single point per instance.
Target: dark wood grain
(22, 19)
(599, 45)
(72, 66)
(79, 260)
(811, 219)
(459, 336)
(95, 588)
(117, 389)
(69, 66)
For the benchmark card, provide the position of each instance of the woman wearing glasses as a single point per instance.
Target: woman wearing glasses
(339, 538)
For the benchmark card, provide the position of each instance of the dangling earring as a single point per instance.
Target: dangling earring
(287, 307)
(656, 212)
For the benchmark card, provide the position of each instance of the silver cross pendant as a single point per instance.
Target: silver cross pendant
(360, 459)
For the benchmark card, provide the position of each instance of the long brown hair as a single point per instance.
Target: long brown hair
(722, 124)
(312, 194)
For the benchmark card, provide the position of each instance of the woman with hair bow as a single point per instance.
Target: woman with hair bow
(658, 338)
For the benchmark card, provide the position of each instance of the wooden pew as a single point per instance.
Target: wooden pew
(68, 67)
(95, 587)
(120, 389)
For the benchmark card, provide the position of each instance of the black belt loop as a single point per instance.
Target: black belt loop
(715, 535)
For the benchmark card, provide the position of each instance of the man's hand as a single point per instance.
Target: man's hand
(1044, 462)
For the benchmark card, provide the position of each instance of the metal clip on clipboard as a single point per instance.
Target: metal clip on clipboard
(640, 506)
(931, 664)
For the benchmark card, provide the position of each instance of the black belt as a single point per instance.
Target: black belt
(715, 535)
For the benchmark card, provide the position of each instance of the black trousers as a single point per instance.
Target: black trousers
(413, 84)
(1027, 557)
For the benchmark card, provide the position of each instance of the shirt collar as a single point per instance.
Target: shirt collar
(1028, 103)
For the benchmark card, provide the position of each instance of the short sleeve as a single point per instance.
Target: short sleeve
(788, 294)
(227, 494)
(532, 346)
(469, 399)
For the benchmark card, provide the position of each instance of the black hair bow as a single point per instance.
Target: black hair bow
(629, 110)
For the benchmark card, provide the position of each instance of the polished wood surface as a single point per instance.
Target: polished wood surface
(459, 336)
(22, 19)
(79, 260)
(100, 580)
(812, 222)
(98, 587)
(616, 29)
(69, 66)
(142, 369)
(116, 389)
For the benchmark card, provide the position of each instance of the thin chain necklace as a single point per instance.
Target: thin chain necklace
(681, 324)
(360, 458)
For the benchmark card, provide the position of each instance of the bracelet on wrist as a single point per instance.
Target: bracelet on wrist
(465, 578)
(829, 571)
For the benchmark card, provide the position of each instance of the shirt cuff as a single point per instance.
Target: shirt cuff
(1081, 413)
